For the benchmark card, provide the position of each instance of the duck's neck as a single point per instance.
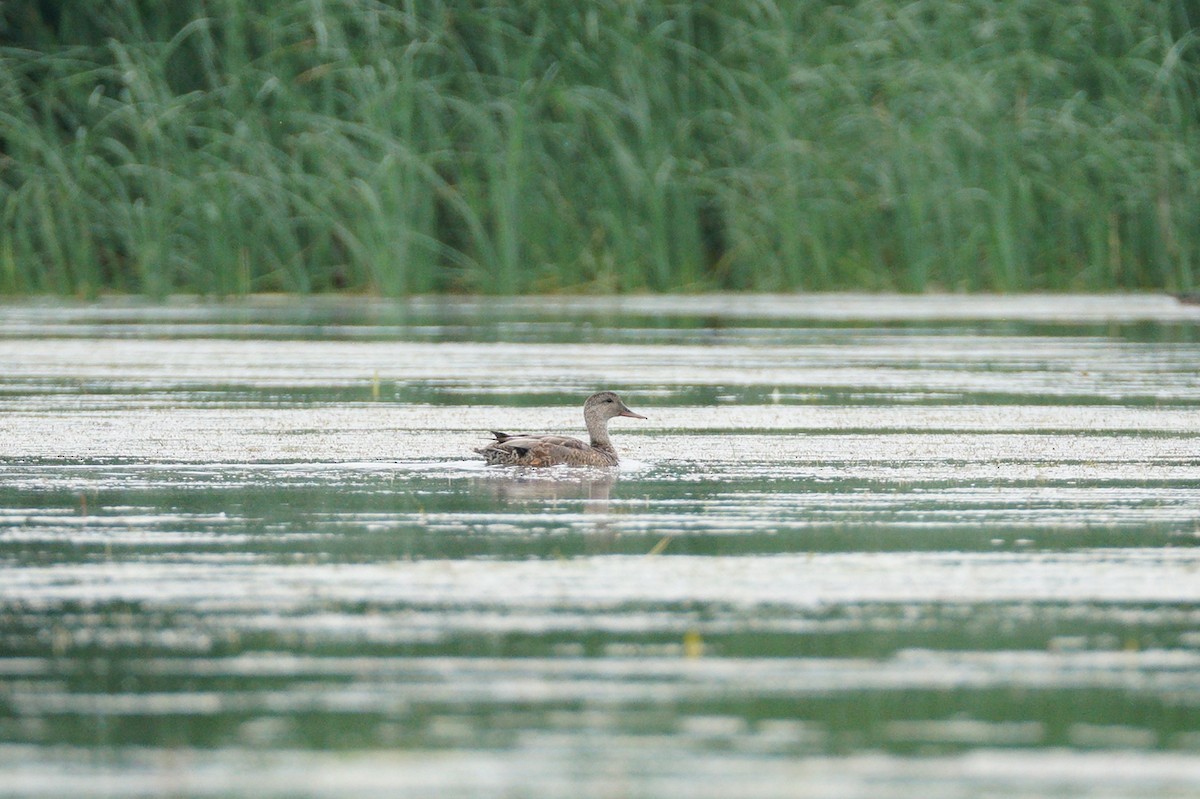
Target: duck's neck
(598, 431)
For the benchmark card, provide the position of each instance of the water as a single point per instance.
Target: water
(863, 547)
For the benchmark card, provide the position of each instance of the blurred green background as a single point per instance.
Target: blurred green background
(226, 147)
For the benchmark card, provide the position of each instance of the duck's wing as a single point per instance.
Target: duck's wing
(559, 451)
(533, 450)
(562, 441)
(527, 441)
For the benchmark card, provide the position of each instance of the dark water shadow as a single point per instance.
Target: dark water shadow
(508, 484)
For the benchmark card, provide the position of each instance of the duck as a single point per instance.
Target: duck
(553, 450)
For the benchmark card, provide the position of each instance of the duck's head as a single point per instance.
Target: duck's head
(606, 405)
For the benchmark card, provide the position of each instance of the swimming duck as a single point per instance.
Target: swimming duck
(552, 450)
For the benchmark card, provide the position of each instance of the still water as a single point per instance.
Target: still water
(863, 547)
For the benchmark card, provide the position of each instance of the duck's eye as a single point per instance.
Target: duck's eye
(609, 399)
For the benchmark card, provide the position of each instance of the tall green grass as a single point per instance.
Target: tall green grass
(225, 147)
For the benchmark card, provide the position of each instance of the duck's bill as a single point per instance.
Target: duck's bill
(630, 414)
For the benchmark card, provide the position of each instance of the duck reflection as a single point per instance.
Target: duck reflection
(537, 486)
(593, 486)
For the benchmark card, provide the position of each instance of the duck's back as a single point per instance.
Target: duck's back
(543, 450)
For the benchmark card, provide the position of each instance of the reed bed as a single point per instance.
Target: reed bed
(226, 147)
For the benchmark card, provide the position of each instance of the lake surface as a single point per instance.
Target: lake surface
(863, 547)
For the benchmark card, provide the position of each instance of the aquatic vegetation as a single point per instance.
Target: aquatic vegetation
(226, 148)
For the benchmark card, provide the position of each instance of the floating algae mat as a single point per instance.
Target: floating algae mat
(862, 547)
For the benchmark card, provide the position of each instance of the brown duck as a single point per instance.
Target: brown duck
(552, 450)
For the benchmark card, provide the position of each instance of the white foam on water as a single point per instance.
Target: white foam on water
(802, 580)
(546, 765)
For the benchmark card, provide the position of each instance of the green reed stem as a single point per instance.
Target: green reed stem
(227, 147)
